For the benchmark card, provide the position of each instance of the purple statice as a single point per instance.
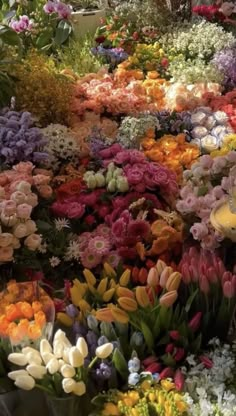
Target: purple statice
(20, 141)
(174, 123)
(225, 62)
(113, 56)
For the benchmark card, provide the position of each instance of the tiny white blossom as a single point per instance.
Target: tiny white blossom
(61, 223)
(54, 261)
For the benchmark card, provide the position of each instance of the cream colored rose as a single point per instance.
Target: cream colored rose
(8, 221)
(32, 199)
(6, 239)
(33, 241)
(31, 227)
(20, 230)
(6, 254)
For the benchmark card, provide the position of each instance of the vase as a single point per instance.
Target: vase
(86, 21)
(9, 403)
(31, 403)
(66, 406)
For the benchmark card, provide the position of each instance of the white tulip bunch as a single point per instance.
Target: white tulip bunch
(61, 359)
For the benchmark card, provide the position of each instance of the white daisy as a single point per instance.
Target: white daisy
(54, 261)
(61, 223)
(73, 251)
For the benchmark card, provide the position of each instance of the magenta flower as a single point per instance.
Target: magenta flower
(138, 228)
(90, 260)
(75, 210)
(63, 10)
(49, 7)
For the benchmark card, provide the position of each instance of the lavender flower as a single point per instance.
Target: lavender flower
(103, 371)
(225, 62)
(19, 139)
(113, 56)
(174, 123)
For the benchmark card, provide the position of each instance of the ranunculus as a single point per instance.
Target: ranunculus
(134, 176)
(9, 208)
(24, 211)
(45, 191)
(20, 230)
(33, 241)
(75, 210)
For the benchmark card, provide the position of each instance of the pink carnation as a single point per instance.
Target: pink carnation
(75, 210)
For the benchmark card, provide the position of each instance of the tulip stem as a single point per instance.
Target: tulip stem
(47, 390)
(92, 363)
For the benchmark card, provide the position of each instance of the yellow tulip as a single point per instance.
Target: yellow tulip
(181, 406)
(106, 297)
(109, 270)
(168, 299)
(165, 275)
(173, 281)
(102, 286)
(128, 304)
(89, 276)
(83, 287)
(76, 295)
(124, 292)
(142, 297)
(112, 284)
(119, 315)
(92, 289)
(160, 266)
(84, 306)
(125, 277)
(153, 277)
(64, 319)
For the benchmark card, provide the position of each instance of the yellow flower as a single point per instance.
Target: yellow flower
(119, 315)
(108, 295)
(109, 270)
(89, 276)
(76, 295)
(64, 319)
(125, 278)
(102, 286)
(110, 409)
(181, 406)
(128, 304)
(167, 385)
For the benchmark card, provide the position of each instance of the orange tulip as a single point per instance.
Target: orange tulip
(119, 315)
(12, 312)
(124, 292)
(34, 331)
(128, 304)
(26, 310)
(104, 315)
(168, 299)
(173, 281)
(40, 318)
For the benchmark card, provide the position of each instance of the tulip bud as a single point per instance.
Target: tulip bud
(160, 266)
(206, 361)
(175, 335)
(124, 292)
(153, 277)
(36, 371)
(76, 359)
(166, 373)
(79, 389)
(68, 385)
(179, 354)
(100, 179)
(67, 371)
(168, 299)
(154, 368)
(212, 275)
(128, 304)
(106, 297)
(91, 182)
(58, 348)
(169, 348)
(82, 346)
(125, 278)
(13, 375)
(34, 358)
(47, 356)
(204, 284)
(228, 290)
(111, 187)
(195, 322)
(142, 276)
(109, 270)
(179, 380)
(122, 184)
(165, 275)
(25, 382)
(52, 366)
(89, 277)
(61, 337)
(18, 358)
(186, 276)
(173, 281)
(119, 315)
(45, 347)
(142, 297)
(66, 355)
(135, 274)
(104, 350)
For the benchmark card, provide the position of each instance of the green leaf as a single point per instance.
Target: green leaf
(190, 300)
(168, 360)
(43, 226)
(9, 36)
(44, 39)
(196, 345)
(63, 32)
(120, 363)
(147, 335)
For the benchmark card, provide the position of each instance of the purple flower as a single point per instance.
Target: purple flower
(103, 371)
(72, 311)
(49, 7)
(63, 10)
(225, 62)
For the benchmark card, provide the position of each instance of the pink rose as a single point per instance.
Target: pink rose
(9, 208)
(18, 197)
(59, 209)
(191, 203)
(6, 254)
(209, 200)
(115, 148)
(137, 157)
(24, 167)
(199, 231)
(103, 211)
(88, 199)
(75, 210)
(105, 153)
(24, 211)
(33, 241)
(32, 199)
(122, 157)
(6, 239)
(134, 176)
(206, 161)
(141, 187)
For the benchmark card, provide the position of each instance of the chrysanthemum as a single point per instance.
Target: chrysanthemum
(138, 228)
(61, 223)
(54, 261)
(73, 251)
(90, 260)
(99, 245)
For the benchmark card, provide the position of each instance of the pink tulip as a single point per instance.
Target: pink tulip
(227, 276)
(166, 373)
(204, 284)
(154, 368)
(206, 361)
(186, 276)
(169, 348)
(179, 354)
(228, 290)
(195, 322)
(212, 275)
(179, 380)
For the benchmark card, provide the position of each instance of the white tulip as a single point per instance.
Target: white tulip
(104, 350)
(58, 348)
(61, 336)
(27, 350)
(47, 356)
(66, 355)
(34, 358)
(36, 371)
(76, 359)
(17, 358)
(67, 371)
(61, 363)
(82, 346)
(25, 382)
(45, 347)
(13, 375)
(79, 389)
(68, 384)
(53, 366)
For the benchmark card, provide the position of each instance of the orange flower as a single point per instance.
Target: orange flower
(23, 327)
(40, 318)
(141, 250)
(157, 227)
(37, 306)
(152, 75)
(13, 287)
(34, 331)
(12, 312)
(26, 309)
(147, 143)
(159, 245)
(15, 335)
(4, 323)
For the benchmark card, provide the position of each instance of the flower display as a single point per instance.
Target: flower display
(224, 61)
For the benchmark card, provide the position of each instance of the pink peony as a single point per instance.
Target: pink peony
(122, 157)
(134, 176)
(199, 231)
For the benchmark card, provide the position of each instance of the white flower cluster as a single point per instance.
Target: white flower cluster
(210, 127)
(192, 71)
(62, 145)
(201, 40)
(133, 129)
(61, 358)
(113, 179)
(207, 389)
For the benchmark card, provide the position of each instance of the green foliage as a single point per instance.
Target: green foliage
(78, 57)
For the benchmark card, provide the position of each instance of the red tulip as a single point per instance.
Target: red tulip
(169, 348)
(179, 354)
(175, 335)
(154, 368)
(150, 360)
(179, 380)
(166, 373)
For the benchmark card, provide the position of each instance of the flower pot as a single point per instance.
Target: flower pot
(9, 403)
(86, 21)
(31, 403)
(68, 406)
